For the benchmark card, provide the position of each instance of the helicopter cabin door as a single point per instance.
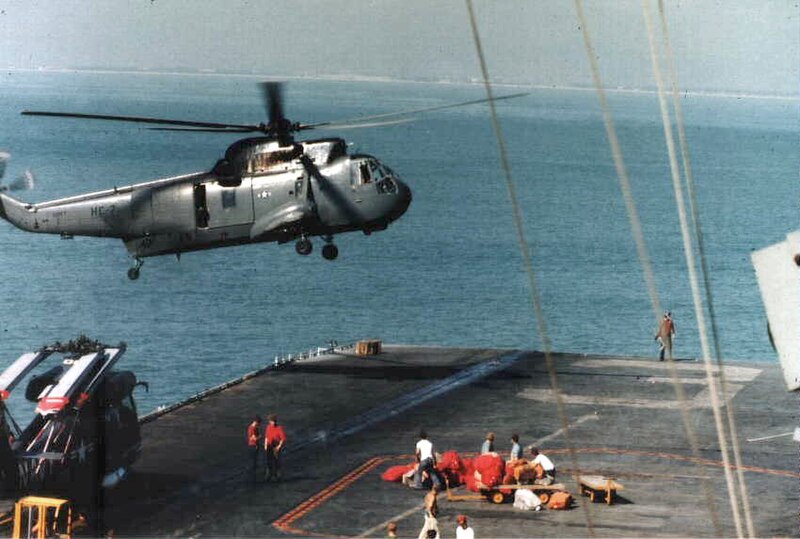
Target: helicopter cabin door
(229, 206)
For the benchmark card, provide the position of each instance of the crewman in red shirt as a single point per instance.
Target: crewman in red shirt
(254, 443)
(274, 441)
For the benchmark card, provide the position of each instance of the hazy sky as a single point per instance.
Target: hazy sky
(735, 45)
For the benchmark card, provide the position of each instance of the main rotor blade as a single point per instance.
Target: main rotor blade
(201, 129)
(140, 119)
(342, 123)
(273, 99)
(359, 125)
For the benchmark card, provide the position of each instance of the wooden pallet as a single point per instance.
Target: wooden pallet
(598, 485)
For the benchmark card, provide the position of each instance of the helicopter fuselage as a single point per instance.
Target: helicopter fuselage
(259, 192)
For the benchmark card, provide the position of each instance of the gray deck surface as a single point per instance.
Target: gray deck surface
(193, 480)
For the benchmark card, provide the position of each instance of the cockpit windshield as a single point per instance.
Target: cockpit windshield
(372, 171)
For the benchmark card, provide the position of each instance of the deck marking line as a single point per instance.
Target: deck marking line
(399, 516)
(733, 373)
(557, 433)
(701, 400)
(770, 437)
(284, 523)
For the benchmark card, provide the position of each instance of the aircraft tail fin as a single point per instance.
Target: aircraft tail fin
(17, 213)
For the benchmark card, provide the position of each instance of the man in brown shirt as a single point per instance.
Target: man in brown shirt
(665, 334)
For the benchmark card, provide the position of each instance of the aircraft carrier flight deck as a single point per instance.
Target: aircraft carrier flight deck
(348, 418)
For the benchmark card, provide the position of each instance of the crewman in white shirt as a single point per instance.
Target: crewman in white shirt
(546, 464)
(426, 462)
(463, 530)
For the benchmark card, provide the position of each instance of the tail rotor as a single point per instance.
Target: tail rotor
(25, 182)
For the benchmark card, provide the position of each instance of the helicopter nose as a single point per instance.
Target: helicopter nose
(403, 200)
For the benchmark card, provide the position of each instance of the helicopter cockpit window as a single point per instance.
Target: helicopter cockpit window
(383, 178)
(364, 171)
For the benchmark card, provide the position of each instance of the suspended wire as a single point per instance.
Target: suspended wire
(690, 262)
(687, 171)
(528, 263)
(644, 258)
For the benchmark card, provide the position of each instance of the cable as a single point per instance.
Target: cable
(687, 170)
(528, 263)
(690, 262)
(644, 259)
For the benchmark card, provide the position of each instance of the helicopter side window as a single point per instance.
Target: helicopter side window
(228, 198)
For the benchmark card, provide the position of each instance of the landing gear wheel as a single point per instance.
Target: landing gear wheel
(133, 273)
(303, 247)
(330, 252)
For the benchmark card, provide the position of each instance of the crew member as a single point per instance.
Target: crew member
(516, 450)
(431, 526)
(274, 442)
(549, 476)
(254, 443)
(426, 461)
(488, 444)
(664, 336)
(463, 530)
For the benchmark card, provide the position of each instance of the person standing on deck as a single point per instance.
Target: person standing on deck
(431, 526)
(488, 444)
(664, 335)
(274, 441)
(254, 443)
(516, 450)
(426, 462)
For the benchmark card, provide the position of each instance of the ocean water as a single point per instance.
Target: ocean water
(448, 273)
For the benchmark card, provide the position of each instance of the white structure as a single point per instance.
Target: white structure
(778, 273)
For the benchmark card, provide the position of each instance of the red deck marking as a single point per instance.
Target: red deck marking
(284, 523)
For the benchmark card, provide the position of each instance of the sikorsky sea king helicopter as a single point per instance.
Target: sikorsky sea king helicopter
(265, 188)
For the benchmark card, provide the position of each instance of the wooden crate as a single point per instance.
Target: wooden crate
(368, 348)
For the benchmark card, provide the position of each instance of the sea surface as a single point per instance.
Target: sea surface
(448, 273)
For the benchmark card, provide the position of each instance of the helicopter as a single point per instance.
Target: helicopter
(85, 432)
(266, 188)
